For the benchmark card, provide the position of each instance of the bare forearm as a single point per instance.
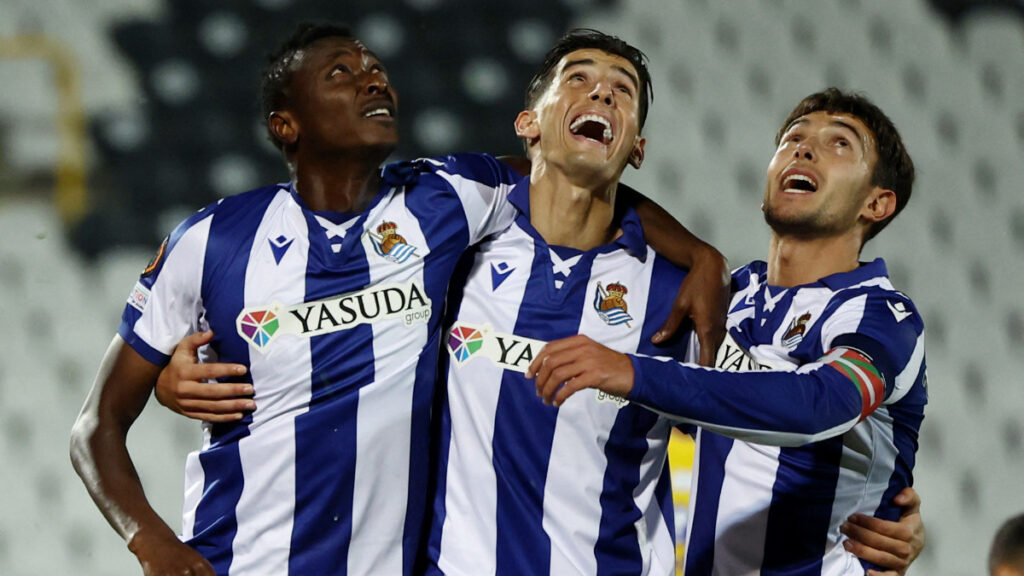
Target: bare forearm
(99, 451)
(100, 457)
(667, 235)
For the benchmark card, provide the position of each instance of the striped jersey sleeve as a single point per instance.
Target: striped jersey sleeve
(481, 184)
(165, 304)
(870, 352)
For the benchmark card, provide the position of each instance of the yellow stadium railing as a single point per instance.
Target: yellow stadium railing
(72, 196)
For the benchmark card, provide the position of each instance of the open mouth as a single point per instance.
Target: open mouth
(799, 184)
(593, 127)
(378, 112)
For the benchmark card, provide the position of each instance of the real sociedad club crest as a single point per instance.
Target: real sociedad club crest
(795, 334)
(390, 245)
(610, 304)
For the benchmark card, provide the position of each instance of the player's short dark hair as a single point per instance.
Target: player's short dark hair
(581, 39)
(277, 76)
(894, 169)
(1008, 545)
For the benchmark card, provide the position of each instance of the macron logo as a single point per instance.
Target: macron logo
(899, 310)
(499, 272)
(279, 246)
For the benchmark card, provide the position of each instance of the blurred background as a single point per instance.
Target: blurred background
(118, 118)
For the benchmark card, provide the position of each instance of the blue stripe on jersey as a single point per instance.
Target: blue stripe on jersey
(712, 452)
(617, 551)
(447, 238)
(232, 232)
(441, 429)
(663, 493)
(530, 551)
(801, 508)
(323, 498)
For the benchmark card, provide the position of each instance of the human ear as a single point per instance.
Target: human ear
(881, 204)
(528, 125)
(636, 156)
(283, 127)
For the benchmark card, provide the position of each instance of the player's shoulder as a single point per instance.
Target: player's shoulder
(878, 300)
(749, 274)
(253, 200)
(482, 168)
(233, 207)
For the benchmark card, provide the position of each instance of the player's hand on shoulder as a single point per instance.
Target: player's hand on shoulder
(566, 366)
(704, 298)
(161, 554)
(183, 385)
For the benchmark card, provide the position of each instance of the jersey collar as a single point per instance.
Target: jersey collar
(632, 238)
(860, 274)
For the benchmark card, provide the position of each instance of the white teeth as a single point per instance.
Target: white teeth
(378, 112)
(590, 118)
(788, 183)
(607, 134)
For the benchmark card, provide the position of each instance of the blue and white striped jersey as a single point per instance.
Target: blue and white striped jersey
(339, 325)
(525, 488)
(827, 427)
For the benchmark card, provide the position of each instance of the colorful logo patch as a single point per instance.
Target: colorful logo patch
(390, 245)
(259, 326)
(858, 368)
(464, 341)
(610, 304)
(157, 260)
(508, 351)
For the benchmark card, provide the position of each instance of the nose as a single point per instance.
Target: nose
(377, 83)
(804, 150)
(602, 93)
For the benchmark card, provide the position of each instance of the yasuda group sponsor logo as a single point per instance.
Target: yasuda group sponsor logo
(263, 324)
(508, 351)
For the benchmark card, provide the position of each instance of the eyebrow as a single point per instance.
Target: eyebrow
(350, 52)
(838, 123)
(589, 61)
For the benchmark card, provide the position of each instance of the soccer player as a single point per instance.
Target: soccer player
(1006, 557)
(524, 488)
(329, 292)
(813, 409)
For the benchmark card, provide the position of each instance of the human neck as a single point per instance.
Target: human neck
(338, 185)
(793, 260)
(566, 213)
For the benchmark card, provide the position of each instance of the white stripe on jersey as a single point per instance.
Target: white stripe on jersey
(744, 504)
(266, 507)
(158, 328)
(181, 260)
(572, 504)
(905, 379)
(480, 208)
(473, 437)
(385, 409)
